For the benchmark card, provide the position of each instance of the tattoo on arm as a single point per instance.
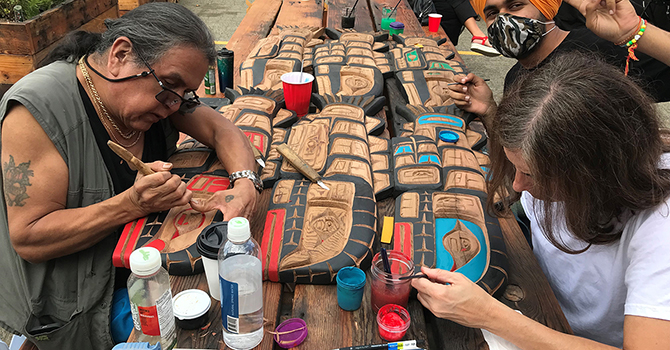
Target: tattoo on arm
(229, 198)
(16, 181)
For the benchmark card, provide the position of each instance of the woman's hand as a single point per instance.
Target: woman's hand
(460, 301)
(238, 201)
(471, 94)
(160, 191)
(613, 20)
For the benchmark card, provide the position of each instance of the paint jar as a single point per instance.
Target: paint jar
(388, 288)
(191, 308)
(393, 321)
(348, 18)
(386, 20)
(208, 245)
(396, 28)
(350, 287)
(290, 333)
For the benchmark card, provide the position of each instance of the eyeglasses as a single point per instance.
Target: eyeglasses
(169, 98)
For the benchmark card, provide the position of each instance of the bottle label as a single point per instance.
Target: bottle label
(230, 311)
(157, 319)
(149, 320)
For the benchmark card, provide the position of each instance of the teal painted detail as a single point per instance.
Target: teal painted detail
(440, 119)
(429, 158)
(403, 149)
(440, 65)
(473, 269)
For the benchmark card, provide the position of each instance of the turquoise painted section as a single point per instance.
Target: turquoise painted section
(473, 269)
(429, 158)
(440, 119)
(403, 149)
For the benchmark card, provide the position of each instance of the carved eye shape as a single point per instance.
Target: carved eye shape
(327, 225)
(465, 244)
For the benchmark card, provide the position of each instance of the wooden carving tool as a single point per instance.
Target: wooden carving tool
(130, 158)
(301, 165)
(257, 155)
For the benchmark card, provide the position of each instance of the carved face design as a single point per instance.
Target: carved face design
(355, 81)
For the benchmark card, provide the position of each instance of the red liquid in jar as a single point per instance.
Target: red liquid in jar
(392, 320)
(383, 293)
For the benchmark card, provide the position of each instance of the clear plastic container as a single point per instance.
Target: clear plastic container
(241, 279)
(151, 299)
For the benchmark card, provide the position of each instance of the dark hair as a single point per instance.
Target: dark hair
(153, 28)
(592, 139)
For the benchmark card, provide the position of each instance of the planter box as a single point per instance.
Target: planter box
(23, 45)
(127, 5)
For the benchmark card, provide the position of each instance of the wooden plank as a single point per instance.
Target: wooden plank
(363, 21)
(127, 5)
(48, 27)
(307, 13)
(255, 26)
(14, 67)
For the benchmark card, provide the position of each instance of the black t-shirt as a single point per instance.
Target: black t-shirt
(655, 74)
(122, 176)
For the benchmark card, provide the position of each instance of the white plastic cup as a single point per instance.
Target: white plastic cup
(208, 245)
(212, 274)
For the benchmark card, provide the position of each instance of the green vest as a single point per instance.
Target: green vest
(73, 292)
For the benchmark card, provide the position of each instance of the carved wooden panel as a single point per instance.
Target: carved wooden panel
(310, 232)
(174, 232)
(279, 53)
(440, 219)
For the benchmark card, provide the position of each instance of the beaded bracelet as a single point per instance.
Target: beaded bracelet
(641, 27)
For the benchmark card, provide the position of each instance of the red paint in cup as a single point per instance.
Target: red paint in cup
(393, 321)
(297, 91)
(388, 288)
(434, 20)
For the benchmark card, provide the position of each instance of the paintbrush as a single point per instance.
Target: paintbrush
(385, 260)
(414, 276)
(466, 83)
(392, 11)
(352, 9)
(130, 158)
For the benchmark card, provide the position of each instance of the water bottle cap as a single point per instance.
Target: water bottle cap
(238, 230)
(145, 261)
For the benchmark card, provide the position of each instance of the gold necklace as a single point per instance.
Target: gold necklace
(100, 107)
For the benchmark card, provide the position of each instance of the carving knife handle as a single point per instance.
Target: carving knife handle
(298, 162)
(130, 158)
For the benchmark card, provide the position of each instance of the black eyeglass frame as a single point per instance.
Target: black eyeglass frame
(186, 104)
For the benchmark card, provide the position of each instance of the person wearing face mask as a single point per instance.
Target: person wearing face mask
(524, 30)
(582, 146)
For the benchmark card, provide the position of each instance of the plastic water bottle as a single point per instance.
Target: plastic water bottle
(151, 299)
(241, 279)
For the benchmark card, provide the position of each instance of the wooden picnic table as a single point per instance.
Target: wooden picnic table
(329, 326)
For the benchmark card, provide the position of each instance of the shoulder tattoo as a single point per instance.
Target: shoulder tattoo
(16, 179)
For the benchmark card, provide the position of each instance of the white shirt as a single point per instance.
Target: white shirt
(598, 287)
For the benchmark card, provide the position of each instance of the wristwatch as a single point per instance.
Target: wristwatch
(249, 174)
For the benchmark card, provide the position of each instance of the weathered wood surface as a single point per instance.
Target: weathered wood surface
(15, 66)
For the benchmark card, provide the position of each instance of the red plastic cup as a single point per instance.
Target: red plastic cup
(297, 91)
(434, 20)
(393, 321)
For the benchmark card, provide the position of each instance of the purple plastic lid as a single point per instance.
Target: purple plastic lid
(291, 333)
(397, 25)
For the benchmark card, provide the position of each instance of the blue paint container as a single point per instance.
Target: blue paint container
(350, 287)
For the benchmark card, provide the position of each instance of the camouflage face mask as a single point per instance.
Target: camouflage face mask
(515, 36)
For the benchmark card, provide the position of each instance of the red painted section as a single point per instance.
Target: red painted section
(402, 238)
(253, 136)
(210, 184)
(272, 241)
(116, 256)
(124, 261)
(158, 244)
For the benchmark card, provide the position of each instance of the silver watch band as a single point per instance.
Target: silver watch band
(249, 174)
